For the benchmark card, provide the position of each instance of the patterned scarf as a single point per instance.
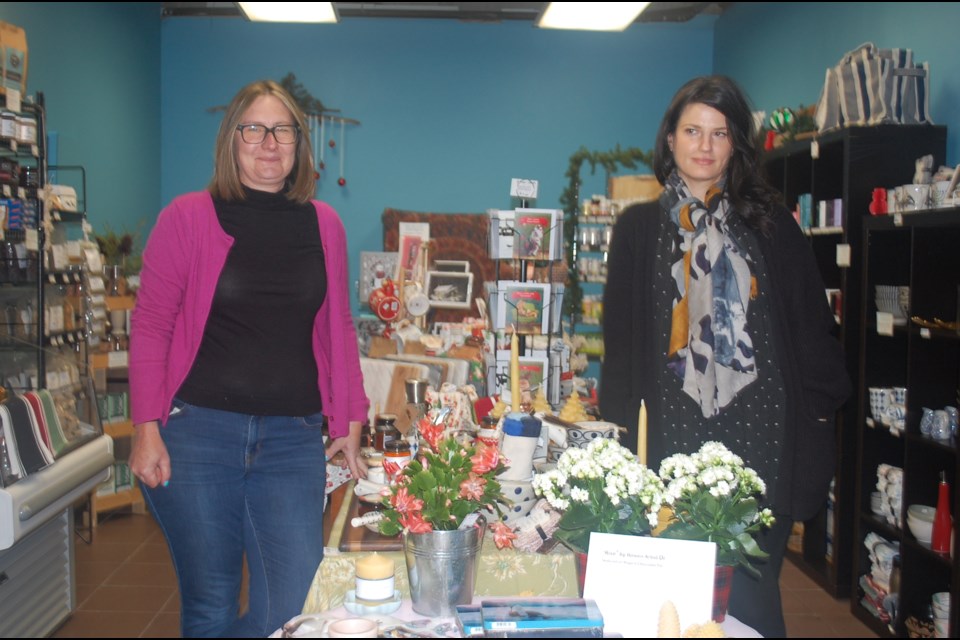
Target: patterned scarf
(710, 346)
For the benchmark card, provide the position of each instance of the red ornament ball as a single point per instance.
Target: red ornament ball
(316, 175)
(332, 143)
(342, 181)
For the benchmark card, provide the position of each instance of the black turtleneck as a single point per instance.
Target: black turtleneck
(256, 356)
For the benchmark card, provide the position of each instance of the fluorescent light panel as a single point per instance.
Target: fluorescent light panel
(591, 16)
(289, 11)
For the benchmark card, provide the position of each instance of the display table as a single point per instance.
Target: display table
(406, 617)
(506, 572)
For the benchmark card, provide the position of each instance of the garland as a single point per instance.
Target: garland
(611, 161)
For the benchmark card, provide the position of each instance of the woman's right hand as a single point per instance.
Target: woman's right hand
(149, 460)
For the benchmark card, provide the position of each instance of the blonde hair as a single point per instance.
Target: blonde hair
(225, 183)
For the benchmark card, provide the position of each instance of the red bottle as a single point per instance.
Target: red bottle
(942, 521)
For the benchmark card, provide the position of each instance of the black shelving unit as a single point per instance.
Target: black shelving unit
(846, 164)
(916, 250)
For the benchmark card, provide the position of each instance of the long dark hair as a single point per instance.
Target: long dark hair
(747, 190)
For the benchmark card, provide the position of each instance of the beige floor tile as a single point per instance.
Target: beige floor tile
(164, 625)
(143, 574)
(107, 598)
(96, 624)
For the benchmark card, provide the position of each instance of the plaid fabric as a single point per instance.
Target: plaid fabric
(722, 581)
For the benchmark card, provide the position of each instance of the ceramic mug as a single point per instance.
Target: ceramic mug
(938, 194)
(916, 197)
(879, 402)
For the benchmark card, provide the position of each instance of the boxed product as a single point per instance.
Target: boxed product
(13, 58)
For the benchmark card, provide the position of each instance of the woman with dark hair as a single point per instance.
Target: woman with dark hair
(715, 315)
(242, 344)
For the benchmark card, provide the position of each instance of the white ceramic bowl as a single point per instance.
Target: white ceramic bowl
(921, 512)
(920, 529)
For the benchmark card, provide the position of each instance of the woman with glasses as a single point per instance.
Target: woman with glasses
(242, 343)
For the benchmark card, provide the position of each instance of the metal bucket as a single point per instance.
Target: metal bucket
(442, 568)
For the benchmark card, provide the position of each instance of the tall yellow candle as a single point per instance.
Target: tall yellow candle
(514, 372)
(642, 434)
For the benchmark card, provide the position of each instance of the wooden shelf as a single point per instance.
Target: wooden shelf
(117, 303)
(127, 498)
(118, 429)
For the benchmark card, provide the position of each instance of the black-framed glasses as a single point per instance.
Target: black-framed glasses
(257, 133)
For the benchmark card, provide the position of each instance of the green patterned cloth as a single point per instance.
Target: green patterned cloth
(506, 572)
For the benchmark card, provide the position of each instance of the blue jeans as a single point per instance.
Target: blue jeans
(241, 484)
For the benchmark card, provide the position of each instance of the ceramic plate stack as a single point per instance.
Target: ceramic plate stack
(890, 485)
(893, 300)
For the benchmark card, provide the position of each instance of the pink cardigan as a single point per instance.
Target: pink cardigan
(182, 262)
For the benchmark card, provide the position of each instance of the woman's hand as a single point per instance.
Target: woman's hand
(350, 446)
(149, 460)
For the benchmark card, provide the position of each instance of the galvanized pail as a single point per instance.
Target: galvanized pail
(442, 568)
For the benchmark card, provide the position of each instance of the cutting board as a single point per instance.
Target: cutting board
(361, 538)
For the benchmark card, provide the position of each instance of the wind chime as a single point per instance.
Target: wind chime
(318, 133)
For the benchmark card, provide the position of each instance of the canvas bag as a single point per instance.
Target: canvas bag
(872, 86)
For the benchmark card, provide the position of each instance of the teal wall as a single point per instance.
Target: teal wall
(98, 66)
(449, 112)
(780, 51)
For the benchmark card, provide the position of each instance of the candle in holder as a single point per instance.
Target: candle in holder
(375, 578)
(514, 372)
(642, 434)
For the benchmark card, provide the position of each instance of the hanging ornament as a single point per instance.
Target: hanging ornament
(342, 181)
(314, 125)
(319, 143)
(332, 143)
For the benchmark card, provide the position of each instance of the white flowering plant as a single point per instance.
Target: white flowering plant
(601, 488)
(715, 498)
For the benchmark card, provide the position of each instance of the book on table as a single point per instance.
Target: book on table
(547, 617)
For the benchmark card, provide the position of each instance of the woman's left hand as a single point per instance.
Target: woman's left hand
(350, 446)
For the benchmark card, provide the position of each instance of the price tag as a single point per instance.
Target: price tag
(21, 193)
(35, 151)
(117, 359)
(898, 219)
(884, 323)
(843, 255)
(32, 240)
(7, 191)
(925, 333)
(13, 99)
(814, 149)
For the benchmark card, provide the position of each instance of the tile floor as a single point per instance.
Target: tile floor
(126, 588)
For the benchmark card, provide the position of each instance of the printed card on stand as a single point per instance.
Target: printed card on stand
(631, 577)
(536, 234)
(412, 236)
(524, 305)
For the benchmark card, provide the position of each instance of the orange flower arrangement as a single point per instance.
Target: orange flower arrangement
(446, 483)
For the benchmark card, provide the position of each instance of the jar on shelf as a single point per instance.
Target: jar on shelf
(384, 431)
(9, 127)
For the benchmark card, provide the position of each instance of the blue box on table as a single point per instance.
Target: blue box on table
(541, 617)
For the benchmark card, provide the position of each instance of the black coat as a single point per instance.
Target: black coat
(811, 360)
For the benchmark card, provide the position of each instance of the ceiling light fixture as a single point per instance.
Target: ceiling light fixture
(289, 11)
(590, 16)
